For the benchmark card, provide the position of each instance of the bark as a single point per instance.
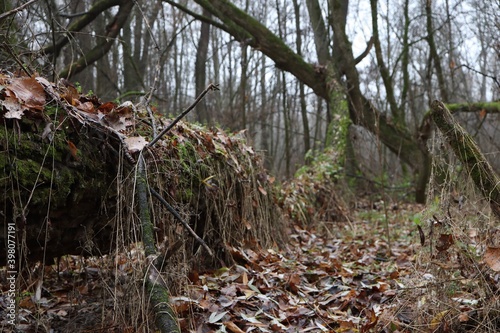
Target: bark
(478, 168)
(132, 80)
(62, 203)
(285, 104)
(405, 57)
(321, 39)
(486, 107)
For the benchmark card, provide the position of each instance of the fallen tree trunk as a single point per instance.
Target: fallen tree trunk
(478, 168)
(68, 185)
(61, 203)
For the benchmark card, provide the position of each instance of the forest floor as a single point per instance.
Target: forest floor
(338, 277)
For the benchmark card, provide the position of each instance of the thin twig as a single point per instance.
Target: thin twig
(211, 86)
(494, 78)
(15, 10)
(179, 218)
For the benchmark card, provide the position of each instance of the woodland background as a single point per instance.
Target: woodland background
(296, 78)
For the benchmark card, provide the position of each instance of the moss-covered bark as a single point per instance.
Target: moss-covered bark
(55, 193)
(481, 172)
(165, 319)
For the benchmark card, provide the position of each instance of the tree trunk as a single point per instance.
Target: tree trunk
(200, 68)
(303, 106)
(69, 188)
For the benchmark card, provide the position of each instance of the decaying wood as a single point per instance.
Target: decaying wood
(481, 172)
(69, 188)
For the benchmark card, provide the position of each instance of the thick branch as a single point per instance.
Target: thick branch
(247, 29)
(434, 52)
(492, 107)
(319, 29)
(481, 172)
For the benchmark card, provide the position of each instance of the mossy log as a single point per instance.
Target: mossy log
(57, 192)
(74, 193)
(481, 172)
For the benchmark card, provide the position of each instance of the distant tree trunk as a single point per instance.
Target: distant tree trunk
(200, 68)
(285, 104)
(132, 80)
(264, 113)
(436, 60)
(106, 86)
(405, 57)
(243, 86)
(397, 114)
(302, 96)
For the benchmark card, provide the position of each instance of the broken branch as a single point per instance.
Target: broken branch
(211, 86)
(179, 218)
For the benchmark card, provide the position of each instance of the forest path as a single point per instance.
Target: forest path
(339, 277)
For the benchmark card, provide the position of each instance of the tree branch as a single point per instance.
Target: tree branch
(210, 87)
(197, 16)
(15, 10)
(179, 218)
(102, 48)
(365, 52)
(79, 24)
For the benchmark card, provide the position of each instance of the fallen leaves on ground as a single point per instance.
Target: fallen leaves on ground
(318, 284)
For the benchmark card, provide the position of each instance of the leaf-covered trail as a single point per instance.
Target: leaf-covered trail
(341, 277)
(339, 282)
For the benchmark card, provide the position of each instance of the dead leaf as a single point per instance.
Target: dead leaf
(262, 190)
(73, 150)
(492, 258)
(482, 114)
(106, 108)
(68, 92)
(135, 143)
(47, 131)
(86, 107)
(294, 282)
(14, 109)
(232, 327)
(444, 242)
(438, 319)
(463, 317)
(215, 317)
(29, 91)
